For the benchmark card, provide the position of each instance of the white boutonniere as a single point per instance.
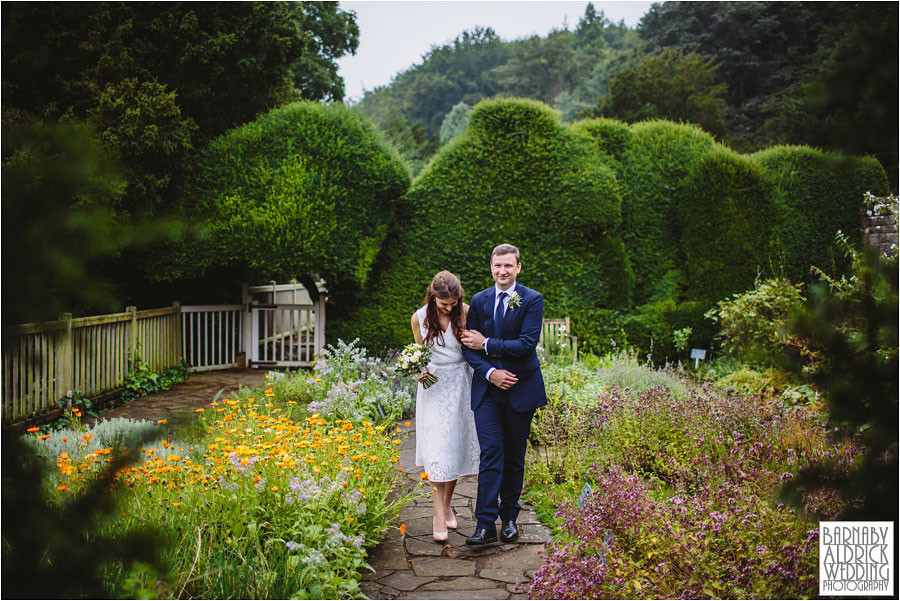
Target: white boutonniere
(514, 300)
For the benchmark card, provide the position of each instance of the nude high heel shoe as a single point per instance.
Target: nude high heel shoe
(452, 524)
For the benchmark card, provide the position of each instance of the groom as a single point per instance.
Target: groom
(502, 330)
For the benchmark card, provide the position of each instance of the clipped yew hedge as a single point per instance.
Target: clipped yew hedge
(519, 176)
(816, 194)
(660, 156)
(304, 189)
(726, 215)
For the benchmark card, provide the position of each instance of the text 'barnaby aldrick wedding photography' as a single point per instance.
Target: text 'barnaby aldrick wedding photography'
(856, 558)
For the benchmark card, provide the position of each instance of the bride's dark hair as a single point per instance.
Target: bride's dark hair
(444, 285)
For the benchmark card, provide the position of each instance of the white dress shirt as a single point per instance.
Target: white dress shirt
(497, 292)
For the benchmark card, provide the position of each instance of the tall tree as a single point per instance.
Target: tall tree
(760, 48)
(671, 85)
(157, 79)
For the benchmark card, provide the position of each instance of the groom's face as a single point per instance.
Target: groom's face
(504, 269)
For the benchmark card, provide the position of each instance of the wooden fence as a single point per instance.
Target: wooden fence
(89, 357)
(86, 357)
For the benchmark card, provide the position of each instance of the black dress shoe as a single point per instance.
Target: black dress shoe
(510, 532)
(482, 536)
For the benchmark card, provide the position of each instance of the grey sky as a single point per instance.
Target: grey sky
(395, 35)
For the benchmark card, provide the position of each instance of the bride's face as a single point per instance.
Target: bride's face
(445, 305)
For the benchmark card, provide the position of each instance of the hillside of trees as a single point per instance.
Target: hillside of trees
(753, 74)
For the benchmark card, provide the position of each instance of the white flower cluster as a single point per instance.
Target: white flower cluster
(413, 359)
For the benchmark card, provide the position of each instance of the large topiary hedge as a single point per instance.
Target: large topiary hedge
(612, 136)
(305, 189)
(816, 194)
(519, 176)
(726, 216)
(660, 155)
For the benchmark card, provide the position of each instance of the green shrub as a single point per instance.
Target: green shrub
(754, 323)
(305, 189)
(816, 194)
(612, 136)
(660, 156)
(517, 175)
(726, 216)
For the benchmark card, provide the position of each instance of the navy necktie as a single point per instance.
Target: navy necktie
(498, 313)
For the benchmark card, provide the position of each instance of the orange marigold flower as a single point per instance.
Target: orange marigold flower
(174, 458)
(408, 424)
(44, 437)
(199, 410)
(33, 429)
(423, 476)
(402, 529)
(87, 436)
(65, 439)
(62, 487)
(162, 421)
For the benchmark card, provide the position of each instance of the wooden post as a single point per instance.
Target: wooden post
(246, 326)
(132, 346)
(65, 361)
(177, 346)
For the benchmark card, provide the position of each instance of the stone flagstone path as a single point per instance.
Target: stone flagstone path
(411, 566)
(414, 566)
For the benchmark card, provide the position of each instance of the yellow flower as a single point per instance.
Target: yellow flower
(162, 421)
(199, 410)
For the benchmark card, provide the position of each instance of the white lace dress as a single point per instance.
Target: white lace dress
(446, 443)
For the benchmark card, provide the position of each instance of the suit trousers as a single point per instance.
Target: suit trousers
(503, 437)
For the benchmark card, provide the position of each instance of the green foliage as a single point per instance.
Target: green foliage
(612, 136)
(759, 47)
(53, 549)
(726, 216)
(455, 123)
(141, 380)
(157, 78)
(660, 156)
(553, 196)
(411, 140)
(347, 383)
(846, 99)
(59, 190)
(671, 85)
(305, 189)
(816, 194)
(854, 323)
(754, 323)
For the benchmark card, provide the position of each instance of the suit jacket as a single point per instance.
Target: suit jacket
(512, 349)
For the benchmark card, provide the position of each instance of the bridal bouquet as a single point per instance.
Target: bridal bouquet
(413, 360)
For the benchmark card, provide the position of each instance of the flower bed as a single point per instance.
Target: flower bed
(269, 502)
(684, 500)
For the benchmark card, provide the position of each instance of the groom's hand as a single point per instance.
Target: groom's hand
(502, 379)
(473, 339)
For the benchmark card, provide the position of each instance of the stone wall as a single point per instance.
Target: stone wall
(879, 226)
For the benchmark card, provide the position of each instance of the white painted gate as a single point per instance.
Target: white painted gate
(285, 335)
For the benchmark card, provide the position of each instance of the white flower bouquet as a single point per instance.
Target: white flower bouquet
(413, 361)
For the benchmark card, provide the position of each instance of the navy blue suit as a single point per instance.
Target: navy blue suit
(503, 417)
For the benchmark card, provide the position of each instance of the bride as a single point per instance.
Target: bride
(446, 443)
